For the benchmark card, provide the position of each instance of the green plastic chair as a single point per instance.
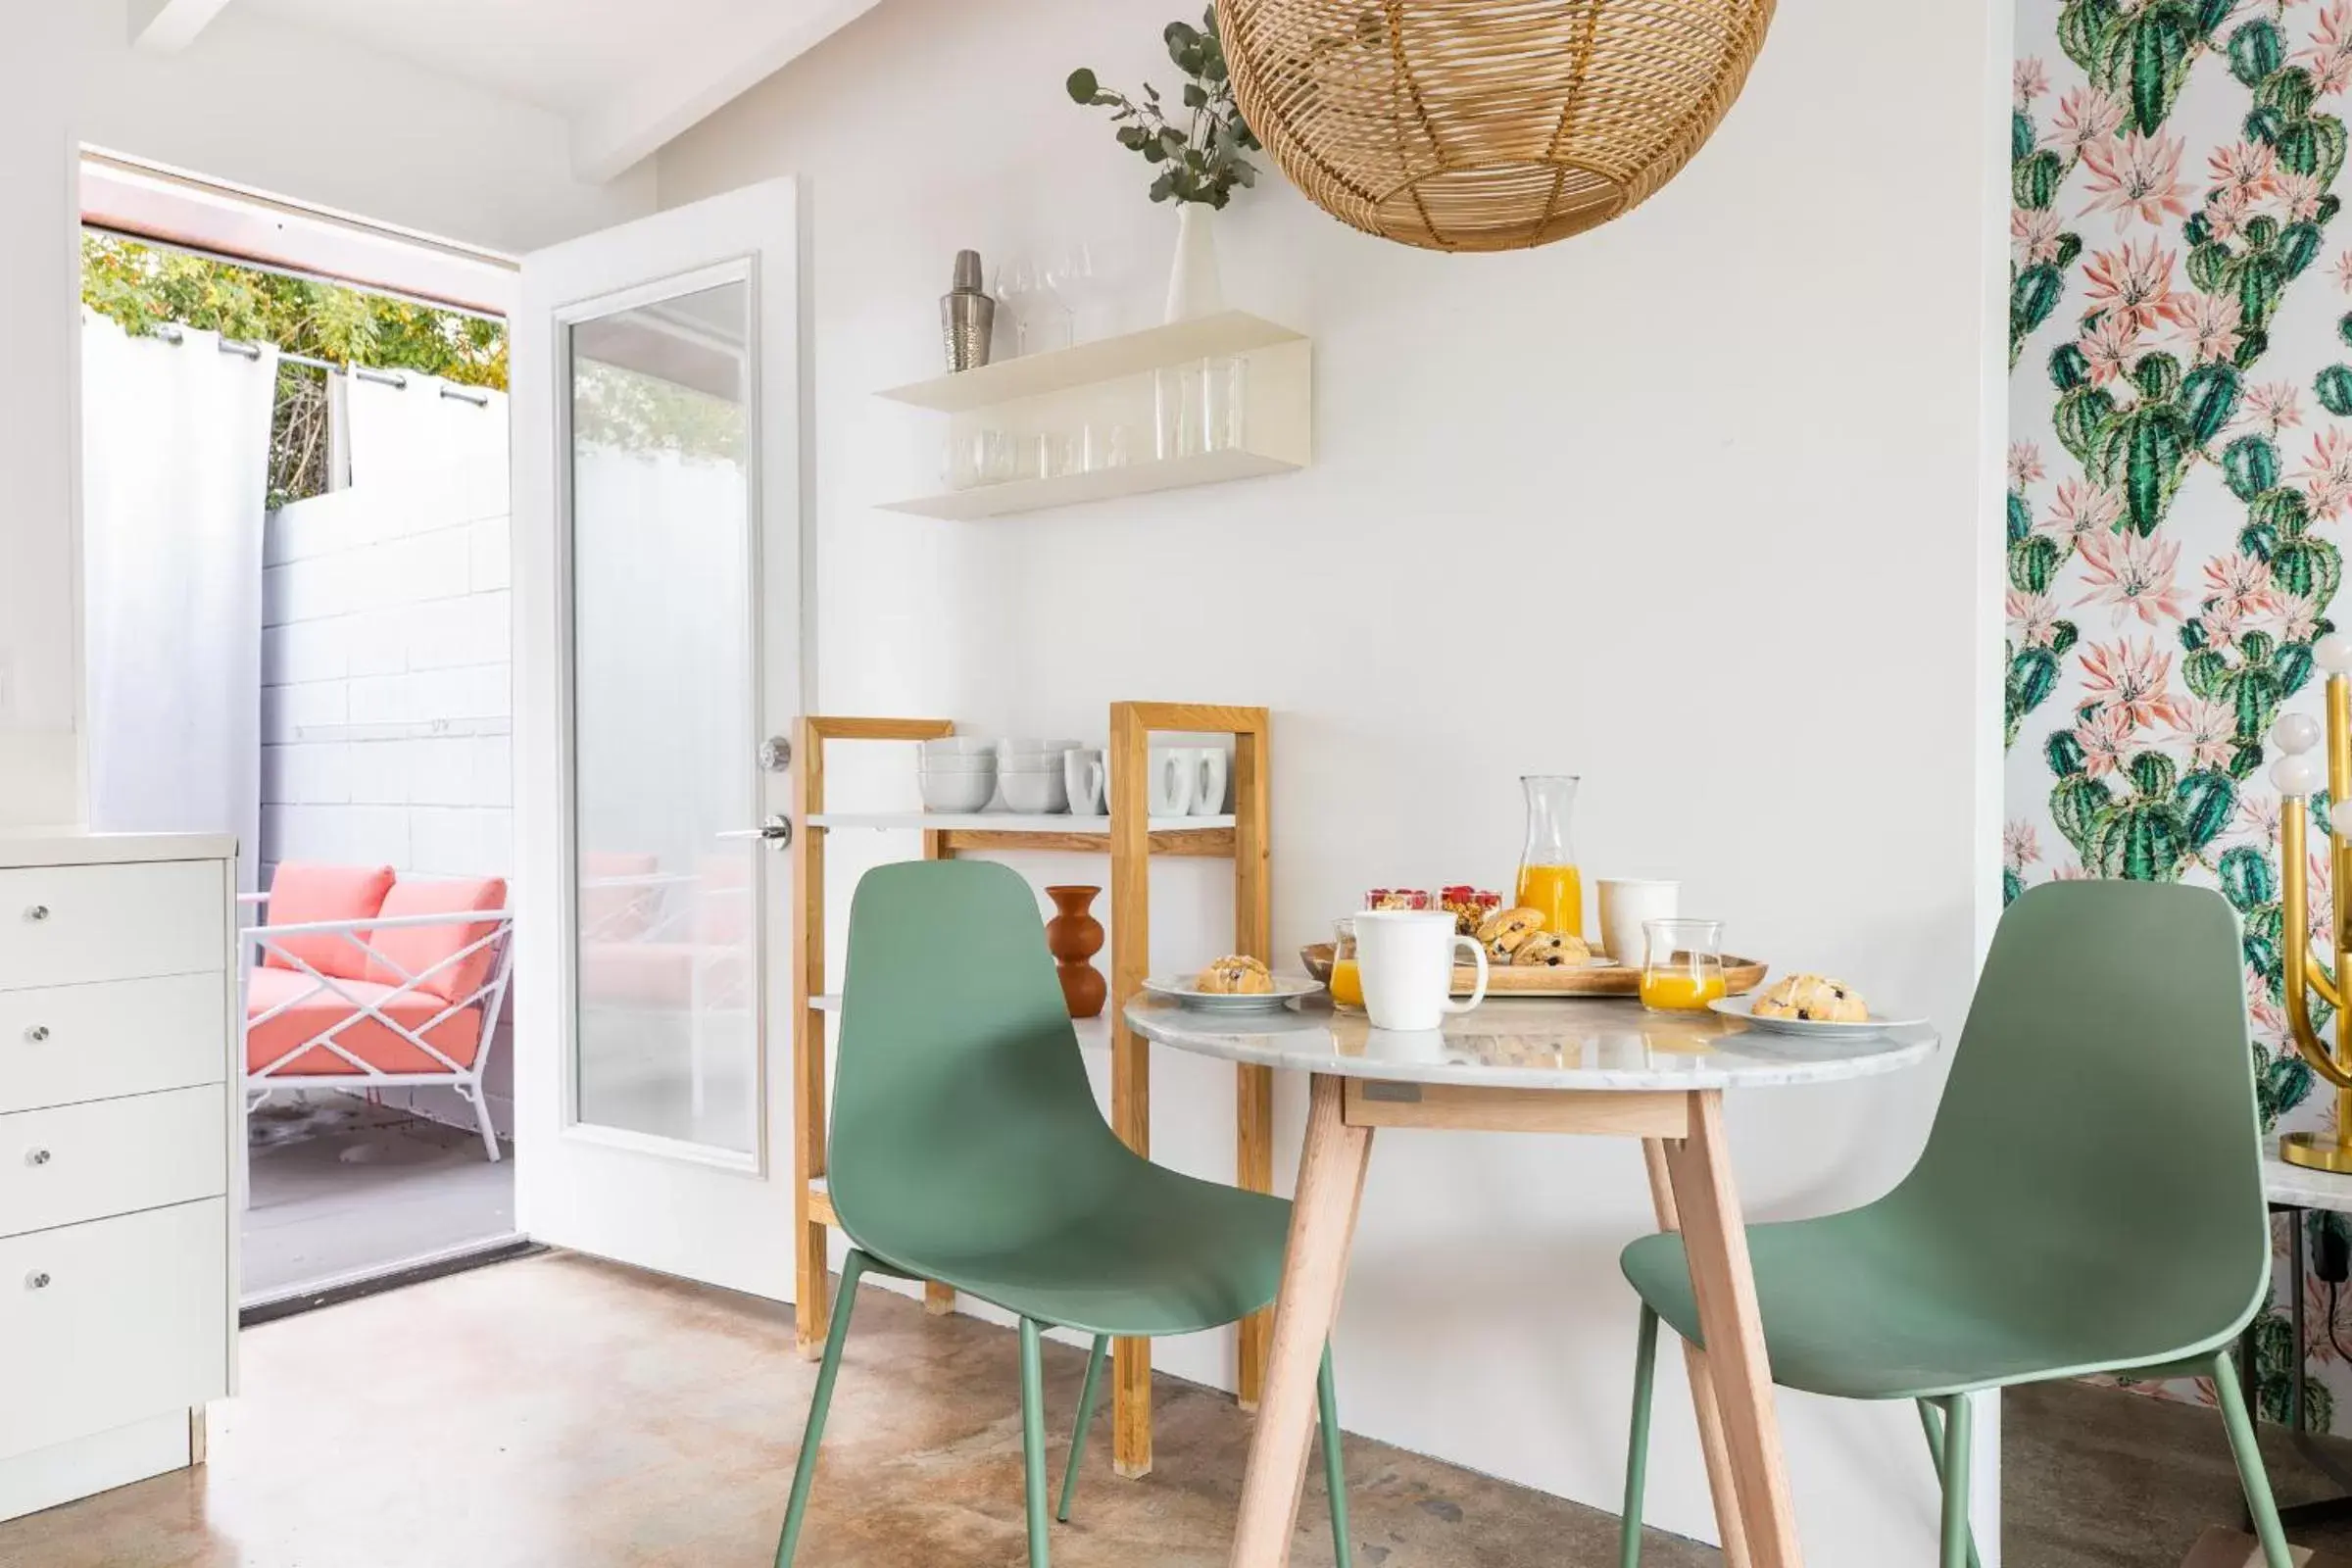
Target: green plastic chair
(967, 1148)
(2089, 1200)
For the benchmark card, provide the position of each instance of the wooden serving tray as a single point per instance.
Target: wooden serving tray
(1740, 975)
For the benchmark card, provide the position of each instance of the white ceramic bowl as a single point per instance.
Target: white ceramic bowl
(1028, 748)
(960, 746)
(1034, 792)
(958, 765)
(957, 792)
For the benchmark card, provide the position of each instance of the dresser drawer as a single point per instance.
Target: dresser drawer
(70, 1163)
(62, 925)
(107, 1323)
(59, 1045)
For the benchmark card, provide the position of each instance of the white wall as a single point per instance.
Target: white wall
(258, 103)
(1700, 504)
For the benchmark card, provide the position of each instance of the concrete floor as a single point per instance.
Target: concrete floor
(341, 1187)
(559, 1412)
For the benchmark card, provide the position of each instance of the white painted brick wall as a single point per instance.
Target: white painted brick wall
(387, 669)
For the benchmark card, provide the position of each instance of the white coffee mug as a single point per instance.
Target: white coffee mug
(1209, 799)
(1406, 959)
(1625, 904)
(1173, 780)
(1083, 778)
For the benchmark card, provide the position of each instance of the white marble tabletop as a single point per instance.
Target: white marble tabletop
(2300, 1185)
(1531, 1043)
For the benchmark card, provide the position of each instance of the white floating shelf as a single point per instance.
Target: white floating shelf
(1102, 484)
(1004, 823)
(1227, 333)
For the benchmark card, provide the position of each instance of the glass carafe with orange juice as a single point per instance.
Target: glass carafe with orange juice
(1682, 964)
(1347, 978)
(1548, 878)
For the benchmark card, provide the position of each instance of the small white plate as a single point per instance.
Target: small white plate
(1743, 1009)
(1286, 988)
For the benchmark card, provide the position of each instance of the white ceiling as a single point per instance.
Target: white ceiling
(629, 74)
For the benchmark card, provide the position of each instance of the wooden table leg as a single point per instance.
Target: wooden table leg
(1715, 1238)
(1331, 1186)
(1702, 1383)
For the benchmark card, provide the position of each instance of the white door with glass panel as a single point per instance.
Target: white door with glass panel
(656, 380)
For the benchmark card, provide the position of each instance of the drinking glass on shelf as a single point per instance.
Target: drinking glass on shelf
(1682, 964)
(1041, 321)
(1224, 403)
(1178, 410)
(1086, 277)
(995, 456)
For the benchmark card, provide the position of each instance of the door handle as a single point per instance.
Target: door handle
(776, 830)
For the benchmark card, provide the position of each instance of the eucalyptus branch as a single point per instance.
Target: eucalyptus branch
(1202, 161)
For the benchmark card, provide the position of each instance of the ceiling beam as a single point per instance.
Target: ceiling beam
(702, 80)
(166, 26)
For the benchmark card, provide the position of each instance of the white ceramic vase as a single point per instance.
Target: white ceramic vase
(1194, 287)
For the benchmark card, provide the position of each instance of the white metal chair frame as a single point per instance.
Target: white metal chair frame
(266, 940)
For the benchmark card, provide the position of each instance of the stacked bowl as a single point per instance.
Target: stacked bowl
(1030, 774)
(957, 773)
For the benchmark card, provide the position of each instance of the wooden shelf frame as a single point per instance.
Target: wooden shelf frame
(1130, 837)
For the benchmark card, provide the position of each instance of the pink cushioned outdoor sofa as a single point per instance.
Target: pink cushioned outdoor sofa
(368, 980)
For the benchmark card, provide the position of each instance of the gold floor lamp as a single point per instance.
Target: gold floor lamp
(2297, 774)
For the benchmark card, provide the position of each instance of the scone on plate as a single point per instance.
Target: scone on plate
(1503, 932)
(1814, 998)
(1237, 974)
(1551, 950)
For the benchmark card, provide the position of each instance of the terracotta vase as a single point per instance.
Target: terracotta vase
(1073, 936)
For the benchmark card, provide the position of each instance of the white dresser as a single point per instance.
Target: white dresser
(119, 1156)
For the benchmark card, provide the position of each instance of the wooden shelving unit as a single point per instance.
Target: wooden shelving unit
(1130, 838)
(1079, 385)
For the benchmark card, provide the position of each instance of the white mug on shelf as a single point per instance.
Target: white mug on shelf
(1626, 903)
(1208, 799)
(1172, 781)
(1405, 957)
(1083, 778)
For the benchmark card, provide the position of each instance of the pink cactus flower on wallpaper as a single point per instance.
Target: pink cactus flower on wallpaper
(2028, 80)
(2329, 58)
(2105, 736)
(2129, 678)
(2033, 236)
(2073, 871)
(2257, 819)
(2083, 508)
(2109, 346)
(2138, 177)
(2208, 730)
(2134, 576)
(2209, 325)
(2131, 280)
(2298, 617)
(2272, 406)
(2239, 581)
(2327, 475)
(2298, 196)
(2032, 618)
(2243, 168)
(2025, 465)
(2021, 844)
(2085, 116)
(2224, 621)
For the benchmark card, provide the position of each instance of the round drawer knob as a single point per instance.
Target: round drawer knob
(39, 912)
(37, 1280)
(37, 1156)
(37, 1033)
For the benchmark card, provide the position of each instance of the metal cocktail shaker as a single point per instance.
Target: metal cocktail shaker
(966, 316)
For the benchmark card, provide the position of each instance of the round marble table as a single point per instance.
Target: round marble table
(1523, 1065)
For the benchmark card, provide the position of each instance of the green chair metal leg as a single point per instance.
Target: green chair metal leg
(1033, 1435)
(1933, 1427)
(1637, 1451)
(1335, 1472)
(1959, 1428)
(1086, 1419)
(803, 1473)
(2250, 1472)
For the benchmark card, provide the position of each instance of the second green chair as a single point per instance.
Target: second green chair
(2089, 1200)
(968, 1147)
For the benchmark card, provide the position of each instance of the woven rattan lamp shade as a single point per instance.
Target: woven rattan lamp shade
(1486, 124)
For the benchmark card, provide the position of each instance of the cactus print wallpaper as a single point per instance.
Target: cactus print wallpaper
(2179, 475)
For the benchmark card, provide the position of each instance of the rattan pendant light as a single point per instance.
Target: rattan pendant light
(1486, 124)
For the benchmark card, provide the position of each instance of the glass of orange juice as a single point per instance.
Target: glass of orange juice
(1347, 978)
(1682, 964)
(1550, 880)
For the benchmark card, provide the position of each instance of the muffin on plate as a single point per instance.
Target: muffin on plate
(1813, 997)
